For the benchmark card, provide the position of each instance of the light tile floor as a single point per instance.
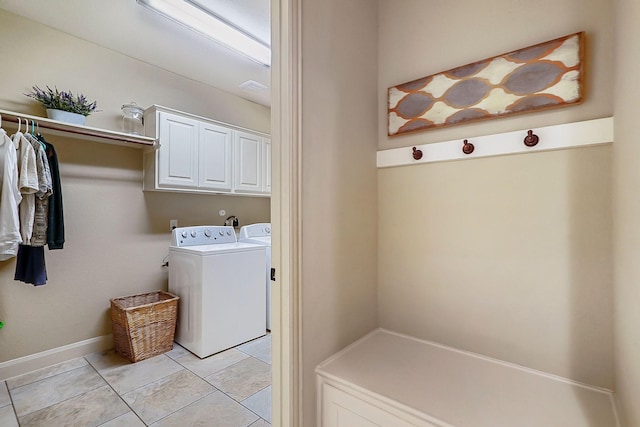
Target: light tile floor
(228, 389)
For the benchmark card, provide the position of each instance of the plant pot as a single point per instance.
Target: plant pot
(66, 116)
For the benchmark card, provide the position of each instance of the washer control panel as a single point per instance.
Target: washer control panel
(262, 229)
(202, 235)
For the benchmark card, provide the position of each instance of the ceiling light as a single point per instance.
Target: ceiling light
(212, 27)
(253, 86)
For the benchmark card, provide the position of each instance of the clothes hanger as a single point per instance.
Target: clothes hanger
(33, 133)
(17, 136)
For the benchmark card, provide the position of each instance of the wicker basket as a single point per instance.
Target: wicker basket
(144, 324)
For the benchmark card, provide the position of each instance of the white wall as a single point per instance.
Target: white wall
(339, 210)
(510, 256)
(116, 235)
(626, 208)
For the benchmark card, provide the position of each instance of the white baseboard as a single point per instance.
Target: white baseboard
(22, 365)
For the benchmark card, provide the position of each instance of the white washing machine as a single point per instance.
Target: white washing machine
(220, 282)
(260, 234)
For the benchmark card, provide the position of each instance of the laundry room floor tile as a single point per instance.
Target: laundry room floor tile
(92, 408)
(106, 390)
(260, 348)
(47, 372)
(260, 403)
(8, 417)
(49, 391)
(4, 395)
(130, 419)
(260, 423)
(242, 379)
(166, 395)
(125, 376)
(216, 409)
(211, 364)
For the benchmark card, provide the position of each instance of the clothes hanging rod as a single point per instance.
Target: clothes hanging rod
(77, 131)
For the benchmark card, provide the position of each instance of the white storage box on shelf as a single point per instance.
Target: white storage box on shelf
(392, 380)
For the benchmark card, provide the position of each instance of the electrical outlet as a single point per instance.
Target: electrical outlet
(173, 223)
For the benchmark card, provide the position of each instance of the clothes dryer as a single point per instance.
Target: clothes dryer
(220, 282)
(260, 233)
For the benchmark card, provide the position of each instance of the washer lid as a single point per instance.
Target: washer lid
(218, 248)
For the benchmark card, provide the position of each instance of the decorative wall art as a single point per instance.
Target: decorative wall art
(547, 75)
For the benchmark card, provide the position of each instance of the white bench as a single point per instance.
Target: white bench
(392, 380)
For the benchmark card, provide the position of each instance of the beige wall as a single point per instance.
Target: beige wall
(508, 256)
(339, 210)
(116, 235)
(626, 209)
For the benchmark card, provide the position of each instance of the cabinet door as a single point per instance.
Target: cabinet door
(178, 152)
(266, 165)
(248, 163)
(340, 409)
(215, 157)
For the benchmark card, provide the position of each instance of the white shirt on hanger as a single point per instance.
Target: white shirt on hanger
(10, 198)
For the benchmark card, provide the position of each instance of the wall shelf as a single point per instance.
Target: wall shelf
(82, 132)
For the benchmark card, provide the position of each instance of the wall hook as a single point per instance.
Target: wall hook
(468, 147)
(531, 139)
(417, 154)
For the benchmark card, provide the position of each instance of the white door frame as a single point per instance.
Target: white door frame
(285, 212)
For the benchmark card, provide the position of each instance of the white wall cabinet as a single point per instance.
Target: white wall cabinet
(195, 154)
(214, 167)
(266, 165)
(248, 162)
(178, 152)
(252, 165)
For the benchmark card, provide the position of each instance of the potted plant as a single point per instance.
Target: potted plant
(63, 106)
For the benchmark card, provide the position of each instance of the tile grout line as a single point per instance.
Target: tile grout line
(238, 401)
(117, 394)
(179, 409)
(105, 382)
(6, 386)
(221, 391)
(54, 404)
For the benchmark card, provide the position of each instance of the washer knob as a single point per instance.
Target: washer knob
(268, 230)
(183, 234)
(228, 233)
(221, 232)
(193, 234)
(207, 233)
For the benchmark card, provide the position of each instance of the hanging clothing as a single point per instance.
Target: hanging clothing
(55, 215)
(10, 199)
(27, 183)
(30, 265)
(45, 189)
